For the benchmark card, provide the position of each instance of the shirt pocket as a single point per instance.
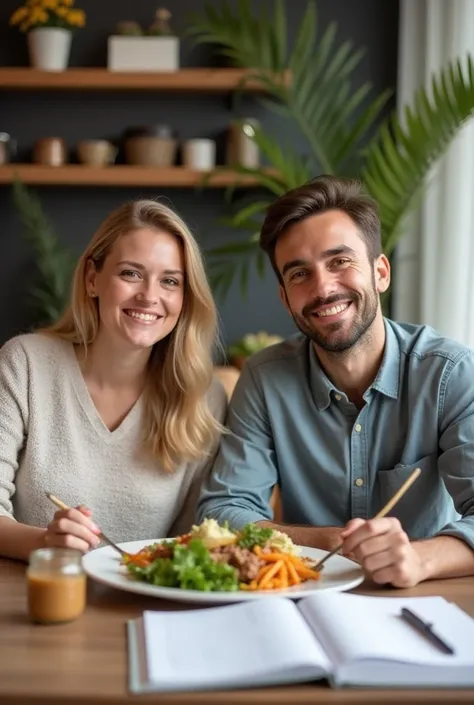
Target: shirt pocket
(422, 505)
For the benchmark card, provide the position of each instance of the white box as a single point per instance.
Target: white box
(142, 53)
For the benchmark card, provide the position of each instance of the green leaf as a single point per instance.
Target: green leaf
(401, 157)
(304, 42)
(229, 261)
(54, 263)
(279, 35)
(244, 214)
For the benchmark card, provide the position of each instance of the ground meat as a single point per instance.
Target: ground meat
(246, 562)
(162, 550)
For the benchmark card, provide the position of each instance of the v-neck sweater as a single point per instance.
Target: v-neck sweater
(52, 439)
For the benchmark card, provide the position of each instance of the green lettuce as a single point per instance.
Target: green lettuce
(190, 568)
(252, 535)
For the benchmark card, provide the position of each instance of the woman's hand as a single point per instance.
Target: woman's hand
(72, 528)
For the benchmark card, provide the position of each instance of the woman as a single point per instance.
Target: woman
(114, 407)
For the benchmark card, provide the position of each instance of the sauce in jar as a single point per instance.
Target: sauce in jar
(56, 585)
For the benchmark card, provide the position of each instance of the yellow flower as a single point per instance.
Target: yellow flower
(38, 16)
(76, 18)
(37, 12)
(19, 15)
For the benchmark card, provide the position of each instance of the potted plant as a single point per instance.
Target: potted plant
(237, 353)
(49, 25)
(250, 344)
(133, 49)
(336, 119)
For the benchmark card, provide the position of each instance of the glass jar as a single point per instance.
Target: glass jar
(56, 585)
(241, 148)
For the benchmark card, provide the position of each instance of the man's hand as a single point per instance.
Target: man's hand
(384, 551)
(332, 538)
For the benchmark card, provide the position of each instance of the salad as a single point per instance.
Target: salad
(213, 558)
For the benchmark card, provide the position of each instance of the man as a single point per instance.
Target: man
(340, 416)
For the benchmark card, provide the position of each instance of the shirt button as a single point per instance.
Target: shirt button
(338, 397)
(358, 427)
(359, 482)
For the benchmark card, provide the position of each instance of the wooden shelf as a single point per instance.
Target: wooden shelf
(185, 80)
(117, 175)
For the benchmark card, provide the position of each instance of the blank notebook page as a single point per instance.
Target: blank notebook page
(371, 627)
(228, 643)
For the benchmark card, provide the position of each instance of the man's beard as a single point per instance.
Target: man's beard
(331, 342)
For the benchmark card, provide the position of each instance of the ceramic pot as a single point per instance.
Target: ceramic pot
(50, 151)
(153, 146)
(96, 152)
(49, 48)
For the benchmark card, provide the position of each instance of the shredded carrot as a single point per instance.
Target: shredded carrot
(263, 570)
(284, 575)
(292, 574)
(270, 574)
(280, 570)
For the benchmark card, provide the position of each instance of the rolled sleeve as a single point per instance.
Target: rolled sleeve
(456, 464)
(239, 488)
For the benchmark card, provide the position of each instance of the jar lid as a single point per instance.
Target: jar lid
(163, 131)
(59, 556)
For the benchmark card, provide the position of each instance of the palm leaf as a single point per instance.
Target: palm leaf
(321, 74)
(404, 152)
(247, 40)
(230, 262)
(244, 216)
(292, 169)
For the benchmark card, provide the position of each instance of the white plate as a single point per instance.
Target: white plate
(103, 564)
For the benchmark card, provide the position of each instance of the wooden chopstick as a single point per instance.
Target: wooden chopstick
(61, 505)
(385, 510)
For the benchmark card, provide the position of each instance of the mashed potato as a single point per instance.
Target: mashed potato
(282, 542)
(213, 535)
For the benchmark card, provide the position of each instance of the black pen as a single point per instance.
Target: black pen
(426, 629)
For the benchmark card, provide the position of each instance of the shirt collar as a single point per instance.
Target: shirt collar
(388, 377)
(386, 381)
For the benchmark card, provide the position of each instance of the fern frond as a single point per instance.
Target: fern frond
(55, 264)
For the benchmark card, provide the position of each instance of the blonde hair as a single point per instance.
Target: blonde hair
(179, 425)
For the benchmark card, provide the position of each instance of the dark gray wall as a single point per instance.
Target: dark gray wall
(76, 212)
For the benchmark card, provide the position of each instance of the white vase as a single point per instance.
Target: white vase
(49, 48)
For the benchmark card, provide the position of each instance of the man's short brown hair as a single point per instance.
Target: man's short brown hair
(322, 194)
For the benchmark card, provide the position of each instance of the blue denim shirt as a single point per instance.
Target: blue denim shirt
(290, 426)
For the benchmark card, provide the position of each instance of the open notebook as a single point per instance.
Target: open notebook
(351, 640)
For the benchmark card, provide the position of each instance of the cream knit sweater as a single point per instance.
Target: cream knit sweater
(53, 440)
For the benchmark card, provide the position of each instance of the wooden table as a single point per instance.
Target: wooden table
(84, 662)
